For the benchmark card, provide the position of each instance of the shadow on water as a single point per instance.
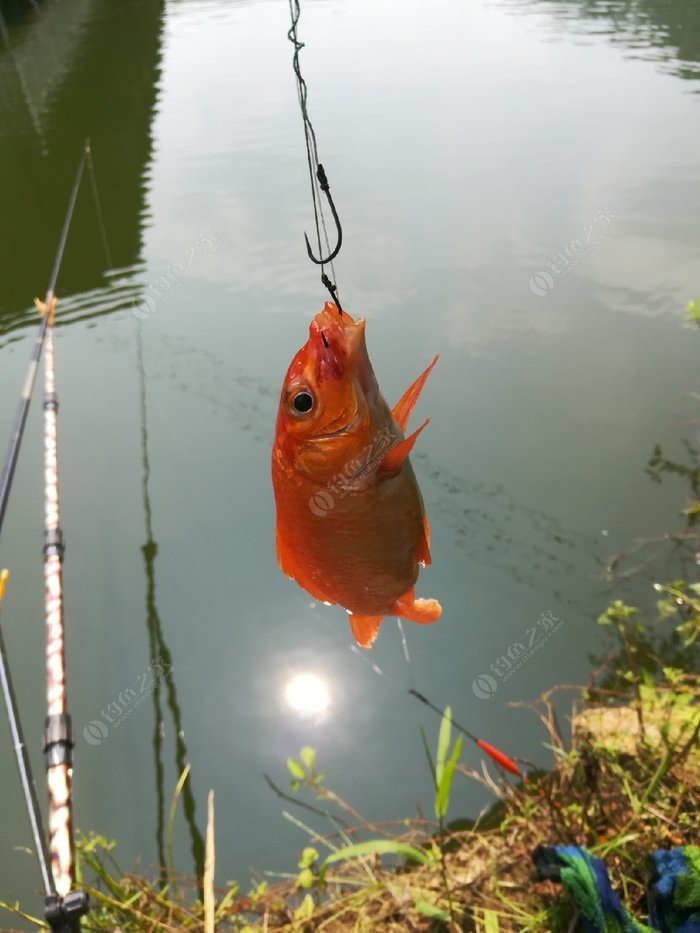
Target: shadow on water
(158, 649)
(666, 31)
(73, 70)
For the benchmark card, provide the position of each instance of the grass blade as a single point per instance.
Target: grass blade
(380, 847)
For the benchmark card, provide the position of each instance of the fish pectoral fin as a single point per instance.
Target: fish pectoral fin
(365, 629)
(391, 464)
(421, 611)
(403, 408)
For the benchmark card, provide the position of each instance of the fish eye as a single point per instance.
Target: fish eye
(302, 402)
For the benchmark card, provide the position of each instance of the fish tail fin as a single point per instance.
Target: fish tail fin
(403, 408)
(365, 629)
(421, 611)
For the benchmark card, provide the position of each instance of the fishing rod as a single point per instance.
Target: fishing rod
(63, 906)
(58, 733)
(498, 756)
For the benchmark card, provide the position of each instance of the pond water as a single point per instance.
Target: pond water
(517, 183)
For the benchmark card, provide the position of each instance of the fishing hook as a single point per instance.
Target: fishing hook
(325, 187)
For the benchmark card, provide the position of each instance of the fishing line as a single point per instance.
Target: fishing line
(407, 656)
(501, 759)
(98, 206)
(317, 176)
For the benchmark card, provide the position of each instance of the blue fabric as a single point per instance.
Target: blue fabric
(673, 893)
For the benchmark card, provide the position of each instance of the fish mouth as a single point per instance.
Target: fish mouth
(336, 342)
(341, 432)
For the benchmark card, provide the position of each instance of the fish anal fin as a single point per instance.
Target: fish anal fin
(421, 611)
(423, 555)
(365, 629)
(403, 408)
(391, 464)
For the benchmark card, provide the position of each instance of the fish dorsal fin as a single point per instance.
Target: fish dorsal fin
(403, 408)
(365, 629)
(391, 464)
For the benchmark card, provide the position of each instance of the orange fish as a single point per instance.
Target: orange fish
(351, 528)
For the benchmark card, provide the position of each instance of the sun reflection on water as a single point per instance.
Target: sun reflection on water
(308, 694)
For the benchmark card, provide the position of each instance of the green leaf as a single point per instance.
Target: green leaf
(429, 910)
(226, 900)
(379, 847)
(666, 608)
(692, 311)
(442, 796)
(308, 857)
(683, 699)
(305, 878)
(295, 769)
(443, 745)
(305, 910)
(491, 924)
(308, 757)
(257, 892)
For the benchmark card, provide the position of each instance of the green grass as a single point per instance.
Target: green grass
(627, 782)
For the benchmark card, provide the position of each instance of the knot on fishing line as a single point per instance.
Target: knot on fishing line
(51, 402)
(58, 740)
(64, 913)
(44, 306)
(54, 543)
(333, 289)
(322, 178)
